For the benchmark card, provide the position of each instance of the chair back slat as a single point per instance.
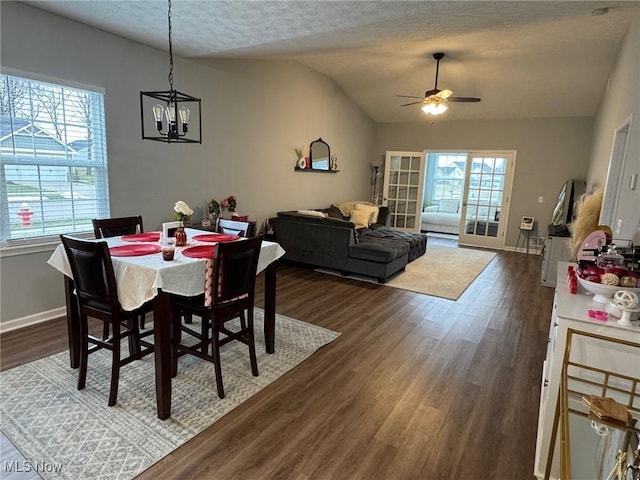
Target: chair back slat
(232, 227)
(114, 227)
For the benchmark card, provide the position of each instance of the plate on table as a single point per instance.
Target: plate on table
(199, 251)
(216, 237)
(134, 250)
(142, 237)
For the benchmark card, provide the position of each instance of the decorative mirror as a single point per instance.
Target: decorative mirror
(320, 155)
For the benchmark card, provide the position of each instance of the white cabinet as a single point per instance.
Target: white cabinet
(570, 312)
(556, 249)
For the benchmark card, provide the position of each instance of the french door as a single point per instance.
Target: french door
(486, 199)
(403, 188)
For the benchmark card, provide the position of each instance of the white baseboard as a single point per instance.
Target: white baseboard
(32, 319)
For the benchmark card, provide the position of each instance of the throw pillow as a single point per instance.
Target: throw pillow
(334, 212)
(360, 218)
(448, 205)
(347, 207)
(372, 209)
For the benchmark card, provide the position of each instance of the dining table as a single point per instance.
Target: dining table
(142, 276)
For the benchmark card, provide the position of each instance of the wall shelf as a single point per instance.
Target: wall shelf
(316, 170)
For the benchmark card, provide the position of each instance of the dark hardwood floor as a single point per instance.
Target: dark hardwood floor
(417, 387)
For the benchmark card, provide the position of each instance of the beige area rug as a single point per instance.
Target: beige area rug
(441, 272)
(64, 433)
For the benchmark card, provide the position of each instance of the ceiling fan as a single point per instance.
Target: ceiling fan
(435, 101)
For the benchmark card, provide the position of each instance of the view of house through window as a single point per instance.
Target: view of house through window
(445, 177)
(53, 158)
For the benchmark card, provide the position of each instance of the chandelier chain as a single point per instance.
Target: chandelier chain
(170, 51)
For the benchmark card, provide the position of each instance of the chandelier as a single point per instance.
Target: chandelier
(166, 114)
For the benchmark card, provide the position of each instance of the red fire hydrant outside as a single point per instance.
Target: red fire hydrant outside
(25, 213)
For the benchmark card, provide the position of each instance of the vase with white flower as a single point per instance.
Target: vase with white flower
(183, 213)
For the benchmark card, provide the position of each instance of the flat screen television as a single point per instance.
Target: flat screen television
(565, 209)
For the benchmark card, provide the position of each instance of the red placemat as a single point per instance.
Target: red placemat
(199, 251)
(216, 237)
(142, 237)
(134, 250)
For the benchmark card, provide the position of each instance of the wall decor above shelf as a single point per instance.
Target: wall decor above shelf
(319, 159)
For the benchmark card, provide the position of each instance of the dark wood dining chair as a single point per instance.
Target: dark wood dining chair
(233, 227)
(232, 293)
(97, 296)
(114, 227)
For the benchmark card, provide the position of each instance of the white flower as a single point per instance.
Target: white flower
(182, 208)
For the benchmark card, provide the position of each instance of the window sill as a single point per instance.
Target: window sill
(46, 245)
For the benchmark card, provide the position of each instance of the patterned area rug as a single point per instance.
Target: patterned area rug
(71, 434)
(441, 272)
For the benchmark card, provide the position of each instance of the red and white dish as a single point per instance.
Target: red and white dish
(142, 237)
(135, 250)
(216, 237)
(199, 251)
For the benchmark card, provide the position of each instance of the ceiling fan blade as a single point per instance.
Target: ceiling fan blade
(412, 103)
(463, 99)
(408, 96)
(444, 94)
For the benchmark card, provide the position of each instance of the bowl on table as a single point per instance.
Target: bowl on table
(602, 293)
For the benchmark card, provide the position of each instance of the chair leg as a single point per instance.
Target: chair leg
(252, 345)
(215, 345)
(134, 337)
(142, 321)
(84, 351)
(115, 364)
(206, 326)
(105, 330)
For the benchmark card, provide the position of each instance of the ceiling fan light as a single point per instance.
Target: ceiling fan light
(434, 107)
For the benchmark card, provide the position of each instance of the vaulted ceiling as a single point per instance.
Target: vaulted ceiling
(523, 58)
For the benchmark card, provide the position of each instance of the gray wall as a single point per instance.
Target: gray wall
(254, 114)
(621, 102)
(549, 151)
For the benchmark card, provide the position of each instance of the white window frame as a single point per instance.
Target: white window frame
(70, 211)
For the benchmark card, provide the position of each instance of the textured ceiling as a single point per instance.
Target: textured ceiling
(523, 58)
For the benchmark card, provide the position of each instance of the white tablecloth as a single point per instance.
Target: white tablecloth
(140, 278)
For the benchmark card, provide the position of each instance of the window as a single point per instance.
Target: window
(445, 176)
(53, 158)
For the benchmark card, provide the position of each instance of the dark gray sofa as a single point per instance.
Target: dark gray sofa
(335, 243)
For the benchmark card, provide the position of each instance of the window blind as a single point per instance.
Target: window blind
(53, 157)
